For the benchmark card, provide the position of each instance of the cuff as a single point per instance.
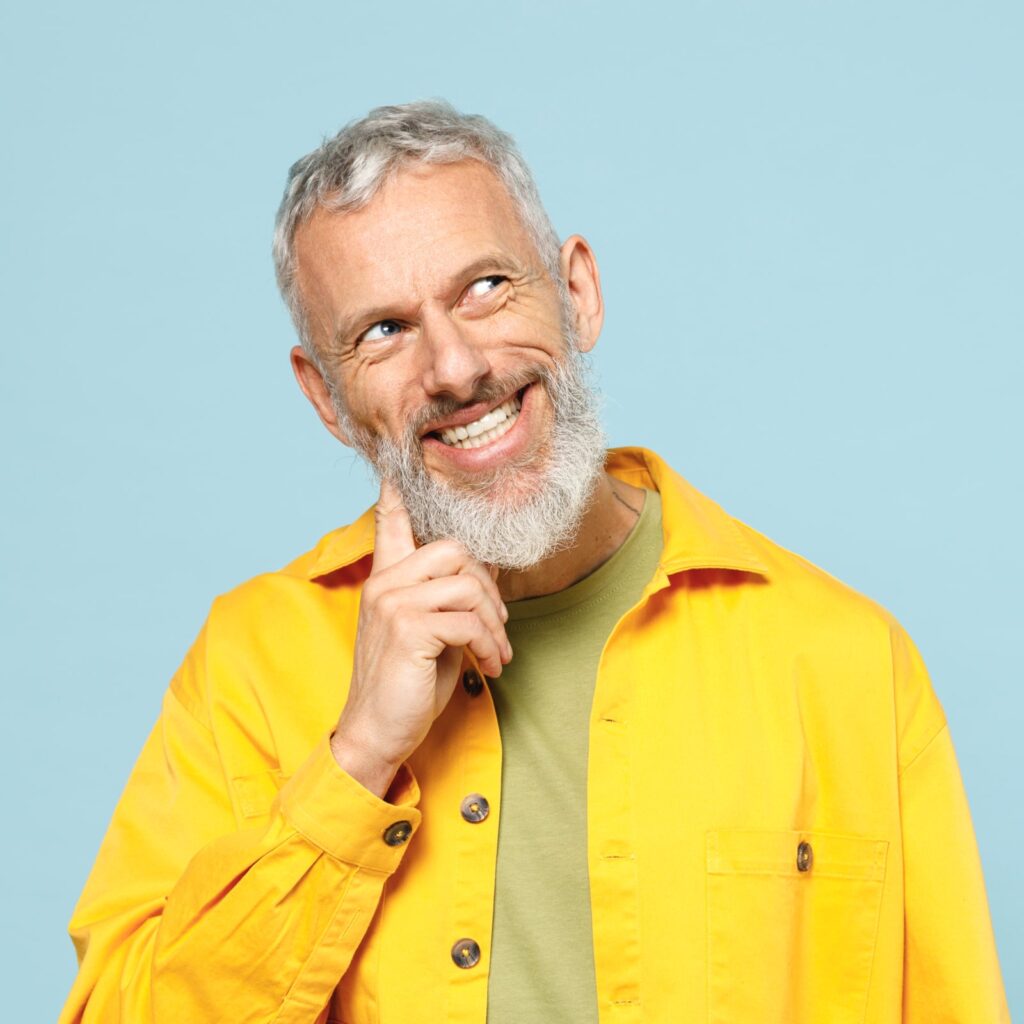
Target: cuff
(345, 819)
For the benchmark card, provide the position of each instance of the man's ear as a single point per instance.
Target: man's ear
(314, 387)
(579, 270)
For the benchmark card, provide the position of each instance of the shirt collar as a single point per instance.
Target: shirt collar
(697, 533)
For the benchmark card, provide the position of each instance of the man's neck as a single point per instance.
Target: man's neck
(606, 524)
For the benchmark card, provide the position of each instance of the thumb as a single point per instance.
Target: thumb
(394, 539)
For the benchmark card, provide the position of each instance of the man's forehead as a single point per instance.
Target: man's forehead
(424, 223)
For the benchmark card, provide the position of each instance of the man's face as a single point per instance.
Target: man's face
(447, 344)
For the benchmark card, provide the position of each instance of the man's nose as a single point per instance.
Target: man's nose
(453, 364)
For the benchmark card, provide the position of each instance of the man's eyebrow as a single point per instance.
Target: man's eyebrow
(493, 261)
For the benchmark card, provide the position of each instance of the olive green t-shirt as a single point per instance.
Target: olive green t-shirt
(542, 960)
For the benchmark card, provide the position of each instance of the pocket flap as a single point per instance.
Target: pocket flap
(734, 851)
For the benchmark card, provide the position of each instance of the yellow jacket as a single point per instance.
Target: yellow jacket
(777, 829)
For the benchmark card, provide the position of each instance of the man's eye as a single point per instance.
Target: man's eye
(484, 285)
(380, 331)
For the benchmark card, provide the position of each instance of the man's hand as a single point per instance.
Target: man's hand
(419, 608)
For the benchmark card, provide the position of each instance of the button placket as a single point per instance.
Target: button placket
(473, 752)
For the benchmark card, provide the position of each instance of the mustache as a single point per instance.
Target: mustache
(490, 389)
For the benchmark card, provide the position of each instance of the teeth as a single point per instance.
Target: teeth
(488, 428)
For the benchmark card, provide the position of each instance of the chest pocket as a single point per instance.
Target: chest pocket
(792, 921)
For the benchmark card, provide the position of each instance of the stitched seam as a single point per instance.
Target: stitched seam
(612, 590)
(802, 877)
(874, 944)
(945, 726)
(301, 823)
(187, 705)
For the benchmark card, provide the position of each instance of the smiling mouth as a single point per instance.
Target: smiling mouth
(487, 428)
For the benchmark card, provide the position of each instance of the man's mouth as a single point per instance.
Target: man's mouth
(487, 428)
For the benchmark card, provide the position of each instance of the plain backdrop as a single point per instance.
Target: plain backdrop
(809, 219)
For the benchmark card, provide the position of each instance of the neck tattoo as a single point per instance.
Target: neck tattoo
(622, 501)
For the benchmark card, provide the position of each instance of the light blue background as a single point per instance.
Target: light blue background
(809, 219)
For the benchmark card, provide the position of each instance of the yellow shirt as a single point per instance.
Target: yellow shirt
(777, 829)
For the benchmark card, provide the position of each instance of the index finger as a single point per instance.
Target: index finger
(394, 540)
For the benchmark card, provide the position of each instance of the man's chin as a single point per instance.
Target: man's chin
(510, 486)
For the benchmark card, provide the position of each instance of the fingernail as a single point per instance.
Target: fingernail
(508, 651)
(504, 612)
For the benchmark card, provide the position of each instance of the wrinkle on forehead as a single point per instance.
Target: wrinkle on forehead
(403, 246)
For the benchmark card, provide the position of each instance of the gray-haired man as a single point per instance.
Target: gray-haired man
(546, 736)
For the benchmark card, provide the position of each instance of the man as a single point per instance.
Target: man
(546, 736)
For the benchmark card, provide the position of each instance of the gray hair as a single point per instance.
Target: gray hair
(348, 170)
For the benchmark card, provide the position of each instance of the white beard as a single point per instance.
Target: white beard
(519, 514)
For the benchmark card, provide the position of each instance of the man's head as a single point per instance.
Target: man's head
(430, 292)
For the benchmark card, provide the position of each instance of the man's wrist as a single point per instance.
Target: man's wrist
(371, 771)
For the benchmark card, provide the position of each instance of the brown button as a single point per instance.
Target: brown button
(475, 807)
(472, 682)
(396, 834)
(466, 953)
(804, 857)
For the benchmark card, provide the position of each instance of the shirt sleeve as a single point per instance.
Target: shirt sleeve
(951, 969)
(185, 917)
